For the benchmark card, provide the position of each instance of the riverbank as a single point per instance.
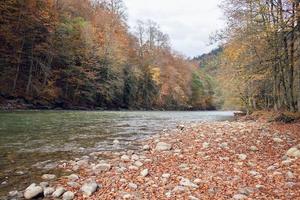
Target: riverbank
(215, 160)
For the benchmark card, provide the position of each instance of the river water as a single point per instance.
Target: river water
(33, 141)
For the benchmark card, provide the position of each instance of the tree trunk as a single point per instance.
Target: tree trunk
(30, 73)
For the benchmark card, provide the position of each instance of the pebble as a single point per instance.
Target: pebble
(44, 184)
(294, 152)
(58, 192)
(205, 145)
(253, 148)
(146, 147)
(138, 163)
(135, 157)
(132, 186)
(32, 191)
(166, 175)
(48, 191)
(73, 177)
(239, 197)
(242, 156)
(49, 176)
(277, 140)
(187, 183)
(125, 158)
(144, 172)
(68, 195)
(162, 146)
(193, 198)
(131, 167)
(89, 188)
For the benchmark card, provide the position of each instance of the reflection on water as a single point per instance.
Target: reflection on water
(30, 137)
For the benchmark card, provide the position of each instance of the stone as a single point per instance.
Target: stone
(187, 183)
(144, 172)
(116, 142)
(127, 196)
(162, 146)
(277, 140)
(294, 152)
(179, 189)
(146, 147)
(58, 192)
(134, 157)
(73, 177)
(131, 167)
(125, 158)
(13, 193)
(48, 191)
(224, 145)
(49, 176)
(193, 198)
(184, 167)
(166, 175)
(102, 167)
(132, 186)
(138, 163)
(33, 191)
(73, 184)
(242, 156)
(68, 195)
(290, 175)
(239, 197)
(44, 184)
(253, 148)
(89, 188)
(168, 194)
(205, 145)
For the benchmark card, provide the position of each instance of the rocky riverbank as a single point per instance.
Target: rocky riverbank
(218, 160)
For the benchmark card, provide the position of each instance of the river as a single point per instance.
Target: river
(32, 142)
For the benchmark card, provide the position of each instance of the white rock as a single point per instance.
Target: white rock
(239, 197)
(116, 142)
(187, 183)
(242, 156)
(138, 163)
(205, 145)
(89, 188)
(44, 184)
(127, 196)
(13, 193)
(166, 175)
(277, 140)
(293, 152)
(193, 198)
(68, 195)
(32, 191)
(224, 145)
(144, 172)
(253, 148)
(73, 177)
(58, 192)
(102, 167)
(132, 186)
(162, 146)
(131, 167)
(146, 147)
(49, 176)
(168, 194)
(125, 158)
(290, 175)
(48, 191)
(135, 157)
(73, 184)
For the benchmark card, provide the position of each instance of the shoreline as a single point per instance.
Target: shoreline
(207, 160)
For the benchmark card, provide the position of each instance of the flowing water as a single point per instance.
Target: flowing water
(31, 142)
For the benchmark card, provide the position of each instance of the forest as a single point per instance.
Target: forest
(258, 64)
(82, 54)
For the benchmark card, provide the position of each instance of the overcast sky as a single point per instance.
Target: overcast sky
(189, 23)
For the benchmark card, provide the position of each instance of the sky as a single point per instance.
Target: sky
(189, 23)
